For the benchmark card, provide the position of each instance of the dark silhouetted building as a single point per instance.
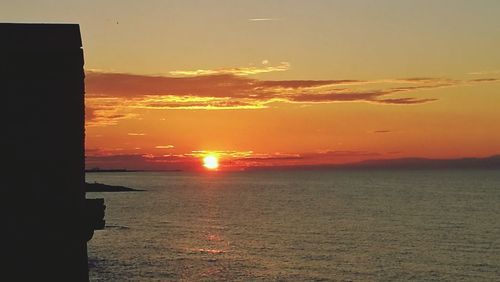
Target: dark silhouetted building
(45, 226)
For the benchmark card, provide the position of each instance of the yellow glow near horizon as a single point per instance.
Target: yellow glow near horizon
(211, 162)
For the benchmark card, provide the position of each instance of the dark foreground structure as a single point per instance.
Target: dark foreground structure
(46, 221)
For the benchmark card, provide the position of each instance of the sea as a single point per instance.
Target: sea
(324, 225)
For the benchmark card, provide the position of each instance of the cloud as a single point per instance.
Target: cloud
(164, 147)
(484, 80)
(382, 131)
(104, 111)
(487, 72)
(136, 134)
(121, 85)
(223, 154)
(306, 156)
(264, 19)
(112, 97)
(302, 84)
(404, 101)
(340, 154)
(96, 115)
(283, 66)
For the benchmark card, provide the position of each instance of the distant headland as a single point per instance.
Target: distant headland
(96, 169)
(99, 187)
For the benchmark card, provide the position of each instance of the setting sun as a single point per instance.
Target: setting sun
(211, 162)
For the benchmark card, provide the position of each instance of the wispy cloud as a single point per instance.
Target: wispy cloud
(485, 72)
(264, 19)
(223, 154)
(136, 134)
(165, 147)
(106, 110)
(251, 70)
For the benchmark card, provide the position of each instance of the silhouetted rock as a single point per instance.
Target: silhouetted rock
(99, 187)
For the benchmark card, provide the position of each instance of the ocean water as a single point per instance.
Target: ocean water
(300, 226)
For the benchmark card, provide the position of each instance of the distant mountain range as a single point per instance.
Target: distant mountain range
(492, 162)
(488, 162)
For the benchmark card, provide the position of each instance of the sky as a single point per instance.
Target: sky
(282, 83)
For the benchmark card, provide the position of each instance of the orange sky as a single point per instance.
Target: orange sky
(255, 122)
(266, 83)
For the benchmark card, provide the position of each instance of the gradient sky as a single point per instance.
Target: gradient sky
(264, 83)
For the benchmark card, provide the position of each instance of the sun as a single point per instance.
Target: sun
(211, 162)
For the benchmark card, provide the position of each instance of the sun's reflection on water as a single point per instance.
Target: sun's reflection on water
(208, 243)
